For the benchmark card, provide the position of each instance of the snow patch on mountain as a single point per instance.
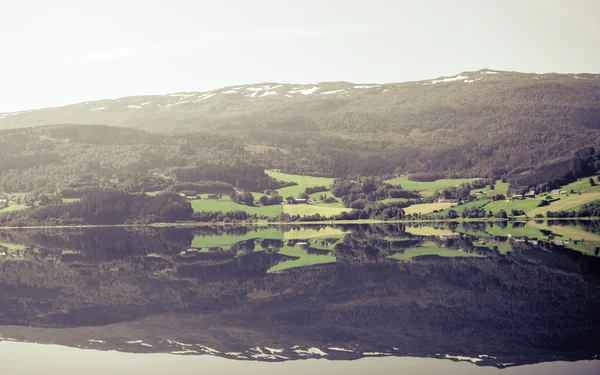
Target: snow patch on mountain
(268, 93)
(332, 92)
(182, 95)
(178, 103)
(205, 96)
(449, 79)
(304, 91)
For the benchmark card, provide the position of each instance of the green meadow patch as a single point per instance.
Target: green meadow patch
(428, 187)
(413, 252)
(226, 241)
(303, 259)
(225, 204)
(302, 181)
(16, 207)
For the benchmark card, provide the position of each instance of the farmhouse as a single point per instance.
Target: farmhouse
(3, 203)
(516, 196)
(531, 194)
(191, 197)
(291, 200)
(555, 192)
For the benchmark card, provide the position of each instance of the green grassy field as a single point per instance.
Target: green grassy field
(311, 209)
(304, 259)
(514, 231)
(499, 188)
(314, 199)
(153, 193)
(16, 207)
(428, 187)
(582, 186)
(302, 181)
(226, 241)
(392, 200)
(308, 233)
(70, 200)
(225, 204)
(11, 246)
(525, 205)
(428, 231)
(566, 231)
(566, 203)
(426, 208)
(412, 252)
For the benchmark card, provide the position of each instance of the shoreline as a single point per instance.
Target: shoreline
(267, 223)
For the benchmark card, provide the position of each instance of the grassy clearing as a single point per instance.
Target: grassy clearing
(430, 186)
(582, 186)
(13, 247)
(514, 230)
(413, 252)
(428, 231)
(16, 207)
(314, 199)
(69, 252)
(509, 205)
(565, 203)
(566, 231)
(225, 204)
(311, 209)
(426, 208)
(304, 259)
(226, 241)
(153, 193)
(499, 188)
(302, 181)
(392, 200)
(308, 233)
(70, 200)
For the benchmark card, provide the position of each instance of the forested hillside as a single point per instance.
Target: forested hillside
(477, 124)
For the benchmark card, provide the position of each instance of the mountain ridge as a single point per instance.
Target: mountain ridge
(232, 100)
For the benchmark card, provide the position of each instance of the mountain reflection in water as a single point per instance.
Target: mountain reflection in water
(491, 294)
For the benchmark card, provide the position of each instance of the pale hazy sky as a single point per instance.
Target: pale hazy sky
(66, 51)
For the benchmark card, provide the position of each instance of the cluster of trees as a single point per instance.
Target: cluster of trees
(315, 189)
(480, 212)
(243, 197)
(104, 206)
(270, 200)
(462, 192)
(239, 175)
(357, 192)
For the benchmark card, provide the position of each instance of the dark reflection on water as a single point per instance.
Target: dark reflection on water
(499, 294)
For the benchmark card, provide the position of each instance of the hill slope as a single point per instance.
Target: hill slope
(482, 123)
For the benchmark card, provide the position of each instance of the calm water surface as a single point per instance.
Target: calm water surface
(454, 298)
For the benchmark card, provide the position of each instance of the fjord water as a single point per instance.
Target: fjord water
(451, 297)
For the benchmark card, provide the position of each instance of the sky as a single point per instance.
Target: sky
(61, 52)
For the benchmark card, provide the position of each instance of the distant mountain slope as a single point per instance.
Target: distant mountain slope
(474, 124)
(333, 105)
